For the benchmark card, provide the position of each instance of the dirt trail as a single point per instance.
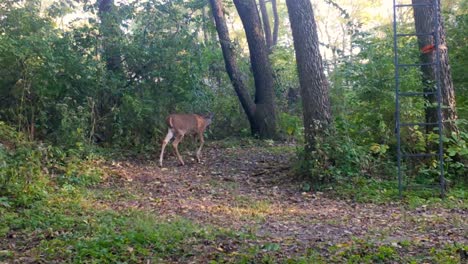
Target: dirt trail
(249, 189)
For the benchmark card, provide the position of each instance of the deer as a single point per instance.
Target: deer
(180, 125)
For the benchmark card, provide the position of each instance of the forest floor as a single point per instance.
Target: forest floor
(250, 192)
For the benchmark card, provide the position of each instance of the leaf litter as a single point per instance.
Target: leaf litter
(251, 190)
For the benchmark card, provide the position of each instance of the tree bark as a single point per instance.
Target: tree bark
(205, 26)
(424, 23)
(111, 33)
(314, 85)
(261, 68)
(231, 64)
(266, 24)
(275, 22)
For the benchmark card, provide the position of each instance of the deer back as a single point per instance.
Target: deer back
(186, 123)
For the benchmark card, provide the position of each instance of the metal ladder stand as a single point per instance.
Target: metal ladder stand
(436, 92)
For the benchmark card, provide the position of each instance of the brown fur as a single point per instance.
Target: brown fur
(181, 125)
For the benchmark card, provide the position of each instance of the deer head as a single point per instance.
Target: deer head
(180, 125)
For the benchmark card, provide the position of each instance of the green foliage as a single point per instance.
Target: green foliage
(338, 158)
(364, 190)
(450, 254)
(55, 84)
(55, 88)
(22, 179)
(29, 171)
(359, 251)
(291, 127)
(456, 157)
(132, 238)
(457, 29)
(362, 146)
(229, 118)
(69, 229)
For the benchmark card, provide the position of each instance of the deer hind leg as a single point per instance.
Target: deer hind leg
(175, 144)
(202, 141)
(166, 140)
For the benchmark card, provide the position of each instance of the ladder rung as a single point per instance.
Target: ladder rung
(416, 93)
(416, 64)
(418, 124)
(420, 155)
(414, 5)
(415, 34)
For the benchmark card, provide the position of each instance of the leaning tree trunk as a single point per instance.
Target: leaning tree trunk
(262, 72)
(314, 85)
(266, 24)
(424, 23)
(231, 65)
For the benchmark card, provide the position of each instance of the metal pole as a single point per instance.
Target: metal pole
(397, 99)
(439, 95)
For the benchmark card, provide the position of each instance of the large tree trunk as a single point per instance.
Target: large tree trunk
(231, 64)
(262, 72)
(266, 24)
(424, 23)
(111, 33)
(314, 85)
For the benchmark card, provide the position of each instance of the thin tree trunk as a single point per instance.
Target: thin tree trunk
(205, 26)
(231, 64)
(275, 22)
(266, 24)
(110, 33)
(424, 23)
(314, 85)
(262, 72)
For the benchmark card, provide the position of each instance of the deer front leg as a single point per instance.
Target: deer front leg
(202, 141)
(175, 144)
(166, 140)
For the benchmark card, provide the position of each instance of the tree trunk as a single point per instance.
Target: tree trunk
(262, 72)
(424, 23)
(275, 22)
(314, 86)
(110, 32)
(266, 24)
(231, 65)
(205, 26)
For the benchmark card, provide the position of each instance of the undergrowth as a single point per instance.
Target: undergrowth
(47, 212)
(366, 172)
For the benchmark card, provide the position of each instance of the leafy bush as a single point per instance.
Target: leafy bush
(337, 158)
(22, 179)
(29, 170)
(291, 127)
(456, 156)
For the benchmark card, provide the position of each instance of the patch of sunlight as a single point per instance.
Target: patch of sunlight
(257, 210)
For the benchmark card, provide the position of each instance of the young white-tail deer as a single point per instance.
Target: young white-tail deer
(181, 125)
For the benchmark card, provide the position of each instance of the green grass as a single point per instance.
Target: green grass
(50, 211)
(71, 228)
(364, 190)
(363, 251)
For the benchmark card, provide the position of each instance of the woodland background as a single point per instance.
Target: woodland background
(70, 113)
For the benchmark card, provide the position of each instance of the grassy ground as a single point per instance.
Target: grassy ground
(241, 205)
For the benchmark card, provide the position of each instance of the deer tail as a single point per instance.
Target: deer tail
(169, 122)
